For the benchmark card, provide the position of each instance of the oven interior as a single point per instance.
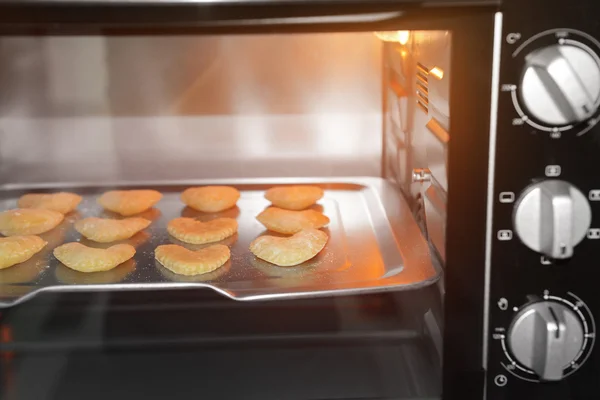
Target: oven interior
(126, 109)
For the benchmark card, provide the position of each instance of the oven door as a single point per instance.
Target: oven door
(425, 343)
(182, 344)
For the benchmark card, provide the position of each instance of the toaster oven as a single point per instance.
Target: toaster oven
(455, 142)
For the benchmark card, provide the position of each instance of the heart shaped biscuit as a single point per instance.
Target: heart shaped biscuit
(88, 259)
(61, 202)
(192, 231)
(290, 251)
(129, 202)
(211, 198)
(290, 222)
(28, 221)
(182, 261)
(17, 249)
(104, 230)
(294, 197)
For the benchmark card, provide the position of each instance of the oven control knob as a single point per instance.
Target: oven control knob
(551, 217)
(546, 337)
(561, 84)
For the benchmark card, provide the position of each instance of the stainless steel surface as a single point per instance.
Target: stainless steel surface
(561, 84)
(551, 217)
(497, 53)
(417, 120)
(312, 20)
(435, 201)
(375, 245)
(96, 109)
(545, 337)
(433, 50)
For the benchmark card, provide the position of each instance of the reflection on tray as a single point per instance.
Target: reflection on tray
(56, 236)
(210, 276)
(27, 271)
(299, 275)
(69, 276)
(189, 212)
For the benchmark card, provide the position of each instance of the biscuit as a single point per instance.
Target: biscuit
(294, 197)
(17, 249)
(28, 221)
(211, 198)
(110, 230)
(151, 214)
(191, 231)
(129, 202)
(290, 251)
(136, 241)
(290, 222)
(88, 259)
(61, 202)
(182, 261)
(209, 276)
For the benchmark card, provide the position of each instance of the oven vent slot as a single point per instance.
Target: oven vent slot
(422, 87)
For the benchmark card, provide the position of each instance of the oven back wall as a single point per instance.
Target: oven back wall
(189, 107)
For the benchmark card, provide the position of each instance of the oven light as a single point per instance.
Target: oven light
(437, 72)
(403, 37)
(394, 36)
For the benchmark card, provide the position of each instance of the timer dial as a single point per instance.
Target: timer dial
(561, 84)
(546, 337)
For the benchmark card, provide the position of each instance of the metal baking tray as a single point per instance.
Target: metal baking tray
(374, 245)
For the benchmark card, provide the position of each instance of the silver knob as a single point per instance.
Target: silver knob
(551, 217)
(546, 337)
(561, 84)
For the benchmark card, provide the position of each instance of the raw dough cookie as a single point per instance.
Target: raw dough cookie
(182, 261)
(88, 259)
(28, 221)
(191, 231)
(294, 197)
(287, 252)
(18, 249)
(290, 222)
(211, 198)
(110, 230)
(129, 202)
(61, 202)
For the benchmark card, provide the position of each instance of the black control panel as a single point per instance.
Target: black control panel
(544, 300)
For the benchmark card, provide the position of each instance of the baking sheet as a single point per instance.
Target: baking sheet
(374, 245)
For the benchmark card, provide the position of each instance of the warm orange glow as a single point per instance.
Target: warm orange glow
(437, 72)
(403, 53)
(6, 336)
(401, 37)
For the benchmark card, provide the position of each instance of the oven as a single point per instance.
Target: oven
(455, 143)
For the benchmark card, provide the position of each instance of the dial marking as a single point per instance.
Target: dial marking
(569, 44)
(562, 31)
